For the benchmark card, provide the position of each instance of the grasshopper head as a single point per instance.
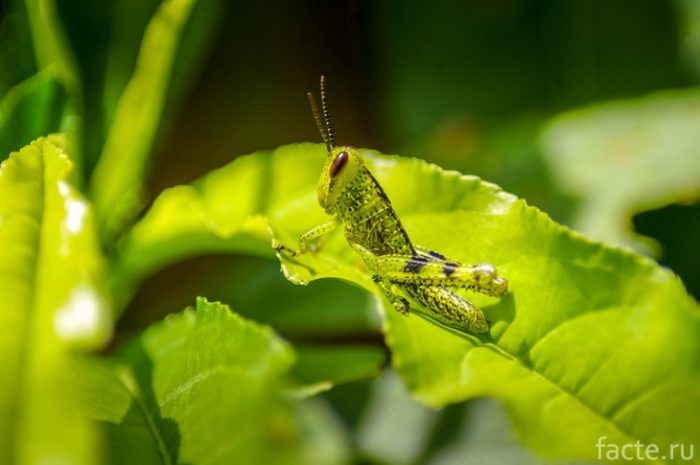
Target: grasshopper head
(343, 163)
(341, 167)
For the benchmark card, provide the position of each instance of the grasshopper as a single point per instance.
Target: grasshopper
(403, 271)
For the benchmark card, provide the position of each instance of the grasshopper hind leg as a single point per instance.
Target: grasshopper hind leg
(449, 307)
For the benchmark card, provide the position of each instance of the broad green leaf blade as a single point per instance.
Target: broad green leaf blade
(31, 109)
(203, 386)
(625, 157)
(484, 436)
(117, 180)
(503, 150)
(394, 430)
(53, 300)
(591, 338)
(204, 218)
(224, 211)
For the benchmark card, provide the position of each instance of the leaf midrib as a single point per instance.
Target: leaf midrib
(618, 427)
(128, 381)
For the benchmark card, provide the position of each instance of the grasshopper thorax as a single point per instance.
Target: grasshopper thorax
(342, 166)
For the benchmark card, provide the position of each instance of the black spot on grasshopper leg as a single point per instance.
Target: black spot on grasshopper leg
(415, 264)
(437, 255)
(449, 268)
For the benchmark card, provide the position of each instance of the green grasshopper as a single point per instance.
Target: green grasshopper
(402, 270)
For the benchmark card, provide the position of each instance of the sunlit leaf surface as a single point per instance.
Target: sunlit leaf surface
(590, 338)
(202, 386)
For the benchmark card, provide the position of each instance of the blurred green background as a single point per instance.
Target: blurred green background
(474, 86)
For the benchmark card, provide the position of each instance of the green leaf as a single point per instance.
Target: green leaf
(224, 211)
(53, 300)
(50, 45)
(29, 110)
(503, 150)
(394, 430)
(105, 38)
(484, 435)
(203, 386)
(581, 343)
(127, 22)
(591, 340)
(117, 181)
(625, 157)
(190, 220)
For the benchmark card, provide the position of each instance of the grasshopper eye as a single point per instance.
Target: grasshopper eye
(340, 160)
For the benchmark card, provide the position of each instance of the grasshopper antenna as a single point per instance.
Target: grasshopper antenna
(319, 122)
(326, 113)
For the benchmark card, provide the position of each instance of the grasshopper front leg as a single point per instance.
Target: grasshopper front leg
(306, 240)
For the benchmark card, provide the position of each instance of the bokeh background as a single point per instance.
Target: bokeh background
(477, 86)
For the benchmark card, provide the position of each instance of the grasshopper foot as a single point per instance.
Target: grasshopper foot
(283, 249)
(401, 306)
